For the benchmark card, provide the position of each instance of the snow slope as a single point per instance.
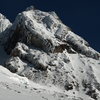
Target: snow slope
(14, 87)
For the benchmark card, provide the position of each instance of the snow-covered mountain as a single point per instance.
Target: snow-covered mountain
(42, 59)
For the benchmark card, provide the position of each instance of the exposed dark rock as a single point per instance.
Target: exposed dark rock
(68, 87)
(15, 64)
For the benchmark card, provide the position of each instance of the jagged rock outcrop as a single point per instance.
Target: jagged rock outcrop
(81, 46)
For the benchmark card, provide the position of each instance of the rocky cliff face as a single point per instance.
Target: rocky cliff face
(47, 52)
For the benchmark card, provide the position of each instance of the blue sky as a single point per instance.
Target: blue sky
(82, 16)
